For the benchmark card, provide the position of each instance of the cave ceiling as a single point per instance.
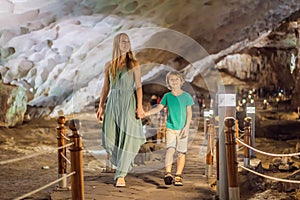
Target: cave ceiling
(221, 27)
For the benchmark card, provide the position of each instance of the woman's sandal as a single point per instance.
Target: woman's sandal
(120, 183)
(168, 178)
(178, 180)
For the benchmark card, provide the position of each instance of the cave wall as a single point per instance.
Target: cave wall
(261, 67)
(296, 99)
(57, 50)
(277, 63)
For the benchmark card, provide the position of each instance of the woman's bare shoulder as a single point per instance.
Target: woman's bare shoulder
(136, 63)
(107, 66)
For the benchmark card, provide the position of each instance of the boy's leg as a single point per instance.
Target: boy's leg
(169, 159)
(180, 166)
(168, 178)
(179, 170)
(180, 163)
(181, 149)
(170, 146)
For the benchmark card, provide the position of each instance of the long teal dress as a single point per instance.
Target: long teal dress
(122, 132)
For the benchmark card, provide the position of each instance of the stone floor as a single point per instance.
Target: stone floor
(145, 180)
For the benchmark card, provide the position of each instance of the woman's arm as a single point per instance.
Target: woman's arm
(139, 90)
(104, 94)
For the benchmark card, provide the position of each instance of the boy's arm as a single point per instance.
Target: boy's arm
(188, 116)
(154, 110)
(185, 130)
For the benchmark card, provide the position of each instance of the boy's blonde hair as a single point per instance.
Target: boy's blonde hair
(175, 73)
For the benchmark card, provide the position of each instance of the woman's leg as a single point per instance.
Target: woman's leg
(125, 162)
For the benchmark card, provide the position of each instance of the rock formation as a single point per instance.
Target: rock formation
(13, 104)
(56, 50)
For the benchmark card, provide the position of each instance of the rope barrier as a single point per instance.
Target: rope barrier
(76, 157)
(68, 161)
(240, 130)
(241, 148)
(35, 154)
(45, 186)
(65, 137)
(270, 177)
(269, 154)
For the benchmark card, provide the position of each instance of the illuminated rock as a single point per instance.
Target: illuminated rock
(13, 103)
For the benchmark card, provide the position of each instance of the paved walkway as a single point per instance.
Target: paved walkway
(149, 184)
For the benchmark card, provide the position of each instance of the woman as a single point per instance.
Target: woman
(122, 133)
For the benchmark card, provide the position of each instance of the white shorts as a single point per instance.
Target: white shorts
(174, 140)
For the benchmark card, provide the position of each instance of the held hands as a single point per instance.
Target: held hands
(140, 113)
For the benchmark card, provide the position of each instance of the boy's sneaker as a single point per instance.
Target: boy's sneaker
(178, 180)
(168, 178)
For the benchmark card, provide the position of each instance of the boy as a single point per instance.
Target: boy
(179, 105)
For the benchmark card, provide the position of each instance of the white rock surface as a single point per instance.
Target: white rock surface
(61, 47)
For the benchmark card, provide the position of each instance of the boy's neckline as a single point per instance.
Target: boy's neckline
(177, 93)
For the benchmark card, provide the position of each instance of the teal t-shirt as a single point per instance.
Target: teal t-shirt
(176, 109)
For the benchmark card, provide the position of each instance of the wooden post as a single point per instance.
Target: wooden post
(251, 114)
(232, 164)
(226, 108)
(237, 135)
(205, 118)
(215, 121)
(161, 130)
(247, 140)
(158, 133)
(217, 157)
(77, 181)
(165, 114)
(61, 153)
(210, 148)
(206, 127)
(217, 164)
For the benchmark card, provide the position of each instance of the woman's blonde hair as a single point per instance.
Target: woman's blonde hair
(175, 73)
(116, 57)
